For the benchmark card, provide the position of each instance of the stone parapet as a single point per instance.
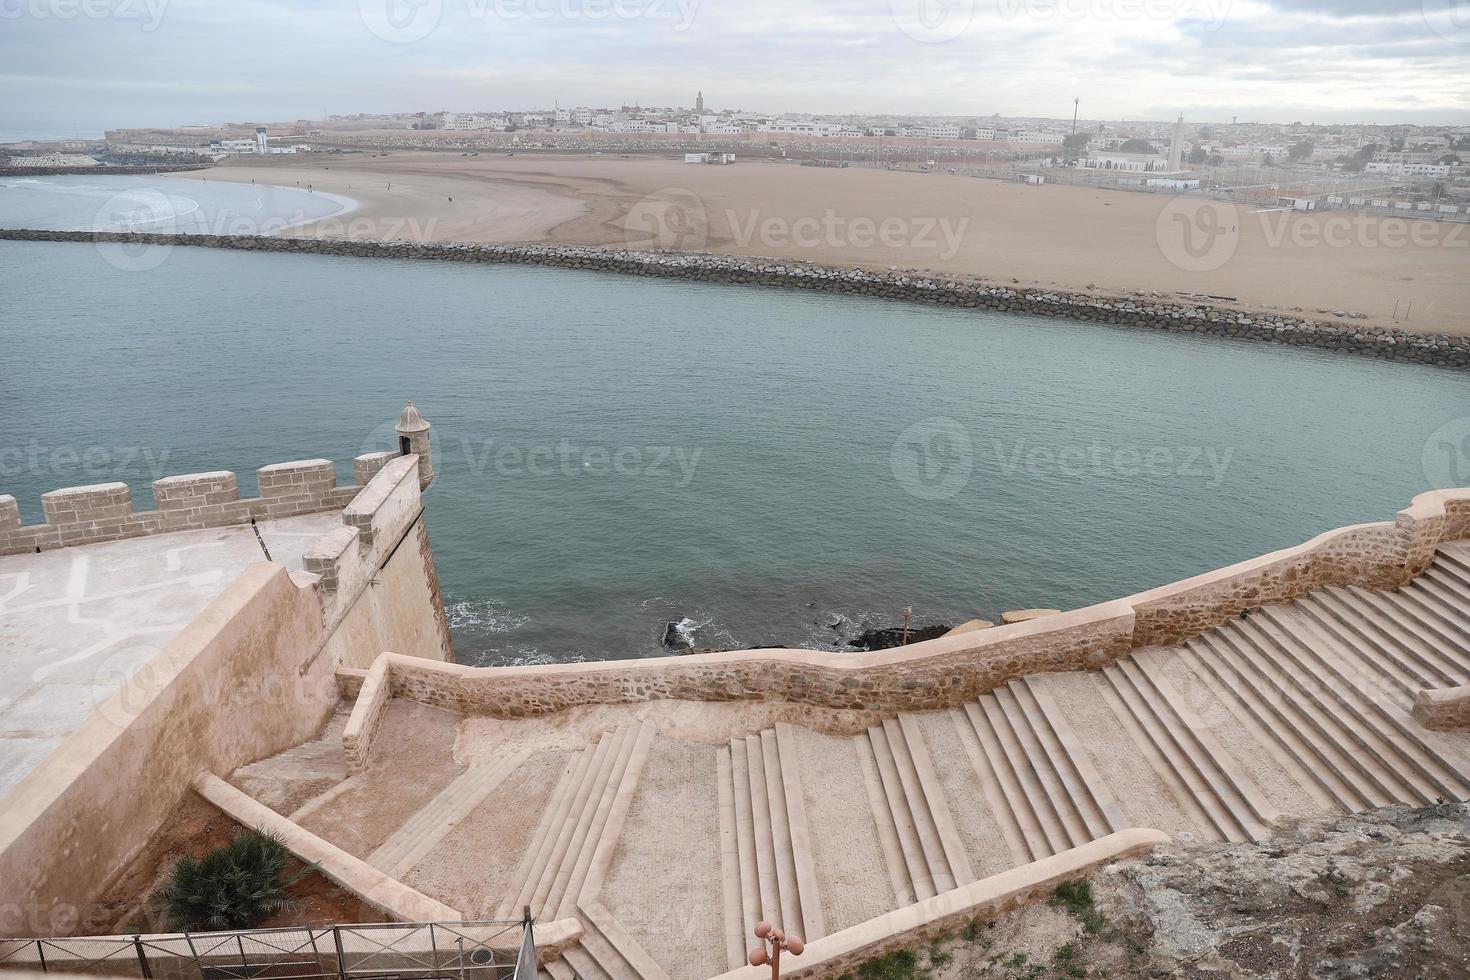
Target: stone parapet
(959, 667)
(1136, 309)
(948, 912)
(192, 501)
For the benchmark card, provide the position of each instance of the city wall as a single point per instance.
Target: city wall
(950, 670)
(252, 675)
(1135, 310)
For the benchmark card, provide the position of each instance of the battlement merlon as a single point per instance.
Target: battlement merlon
(194, 501)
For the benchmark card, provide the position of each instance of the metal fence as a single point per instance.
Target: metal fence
(390, 951)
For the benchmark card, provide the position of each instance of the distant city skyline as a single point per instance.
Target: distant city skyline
(75, 68)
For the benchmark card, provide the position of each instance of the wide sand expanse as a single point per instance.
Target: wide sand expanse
(1070, 237)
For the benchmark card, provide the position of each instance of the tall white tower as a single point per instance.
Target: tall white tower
(699, 103)
(1176, 146)
(262, 145)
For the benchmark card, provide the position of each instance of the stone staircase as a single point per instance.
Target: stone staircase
(1288, 709)
(412, 842)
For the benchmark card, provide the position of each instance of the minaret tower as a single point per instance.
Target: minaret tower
(413, 437)
(699, 103)
(1176, 147)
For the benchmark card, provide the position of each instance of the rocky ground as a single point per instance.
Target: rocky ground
(1380, 894)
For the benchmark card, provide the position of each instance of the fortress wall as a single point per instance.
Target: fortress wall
(953, 669)
(1136, 309)
(379, 588)
(225, 691)
(104, 512)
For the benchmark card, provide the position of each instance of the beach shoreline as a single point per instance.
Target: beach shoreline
(1397, 273)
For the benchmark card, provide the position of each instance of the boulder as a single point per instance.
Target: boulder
(1026, 615)
(971, 626)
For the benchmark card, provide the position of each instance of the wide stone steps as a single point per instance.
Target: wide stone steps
(921, 844)
(573, 844)
(1039, 781)
(410, 843)
(1184, 750)
(766, 849)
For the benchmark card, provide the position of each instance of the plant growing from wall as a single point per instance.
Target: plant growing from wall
(235, 886)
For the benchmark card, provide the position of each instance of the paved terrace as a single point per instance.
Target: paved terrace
(76, 622)
(669, 828)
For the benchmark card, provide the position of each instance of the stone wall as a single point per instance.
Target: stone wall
(954, 669)
(1137, 309)
(104, 512)
(224, 692)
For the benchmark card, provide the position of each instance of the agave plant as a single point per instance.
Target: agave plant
(236, 886)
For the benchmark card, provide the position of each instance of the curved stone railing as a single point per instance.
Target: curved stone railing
(946, 913)
(953, 669)
(1138, 309)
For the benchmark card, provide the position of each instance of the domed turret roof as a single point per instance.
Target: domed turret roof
(411, 420)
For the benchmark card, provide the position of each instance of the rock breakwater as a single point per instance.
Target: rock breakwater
(1139, 309)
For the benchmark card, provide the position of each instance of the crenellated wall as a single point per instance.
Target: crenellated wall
(251, 675)
(953, 669)
(104, 511)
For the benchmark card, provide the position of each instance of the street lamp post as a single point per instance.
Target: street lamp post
(778, 941)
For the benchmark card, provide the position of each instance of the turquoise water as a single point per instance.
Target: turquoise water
(618, 453)
(161, 204)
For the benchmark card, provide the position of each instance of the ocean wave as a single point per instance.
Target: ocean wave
(483, 616)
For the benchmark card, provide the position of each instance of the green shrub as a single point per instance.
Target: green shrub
(236, 886)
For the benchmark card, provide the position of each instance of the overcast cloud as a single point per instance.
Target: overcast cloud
(80, 65)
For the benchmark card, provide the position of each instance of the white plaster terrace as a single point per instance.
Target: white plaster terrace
(77, 622)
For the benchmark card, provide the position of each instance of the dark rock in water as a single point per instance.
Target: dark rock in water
(675, 638)
(892, 636)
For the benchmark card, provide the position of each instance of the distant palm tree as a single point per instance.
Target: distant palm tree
(236, 886)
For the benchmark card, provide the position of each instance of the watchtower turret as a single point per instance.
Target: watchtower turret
(413, 437)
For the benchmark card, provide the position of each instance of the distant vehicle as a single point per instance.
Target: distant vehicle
(510, 154)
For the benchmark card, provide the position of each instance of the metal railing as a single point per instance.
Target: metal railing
(484, 950)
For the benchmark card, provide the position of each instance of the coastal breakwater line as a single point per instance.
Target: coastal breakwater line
(1144, 310)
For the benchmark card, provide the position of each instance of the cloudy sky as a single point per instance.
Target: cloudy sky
(80, 65)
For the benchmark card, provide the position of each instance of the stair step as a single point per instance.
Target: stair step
(607, 822)
(894, 861)
(770, 831)
(798, 824)
(597, 757)
(548, 833)
(585, 967)
(730, 891)
(1453, 570)
(1373, 646)
(1428, 598)
(1190, 762)
(1424, 639)
(905, 822)
(615, 950)
(1455, 553)
(1402, 739)
(408, 845)
(560, 970)
(1327, 750)
(1018, 820)
(932, 800)
(1090, 794)
(770, 908)
(1008, 755)
(1284, 745)
(1292, 651)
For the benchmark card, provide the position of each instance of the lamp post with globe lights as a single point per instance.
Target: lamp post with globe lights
(778, 941)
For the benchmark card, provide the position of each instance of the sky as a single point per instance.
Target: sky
(77, 66)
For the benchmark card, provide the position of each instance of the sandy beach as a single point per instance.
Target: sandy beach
(1414, 274)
